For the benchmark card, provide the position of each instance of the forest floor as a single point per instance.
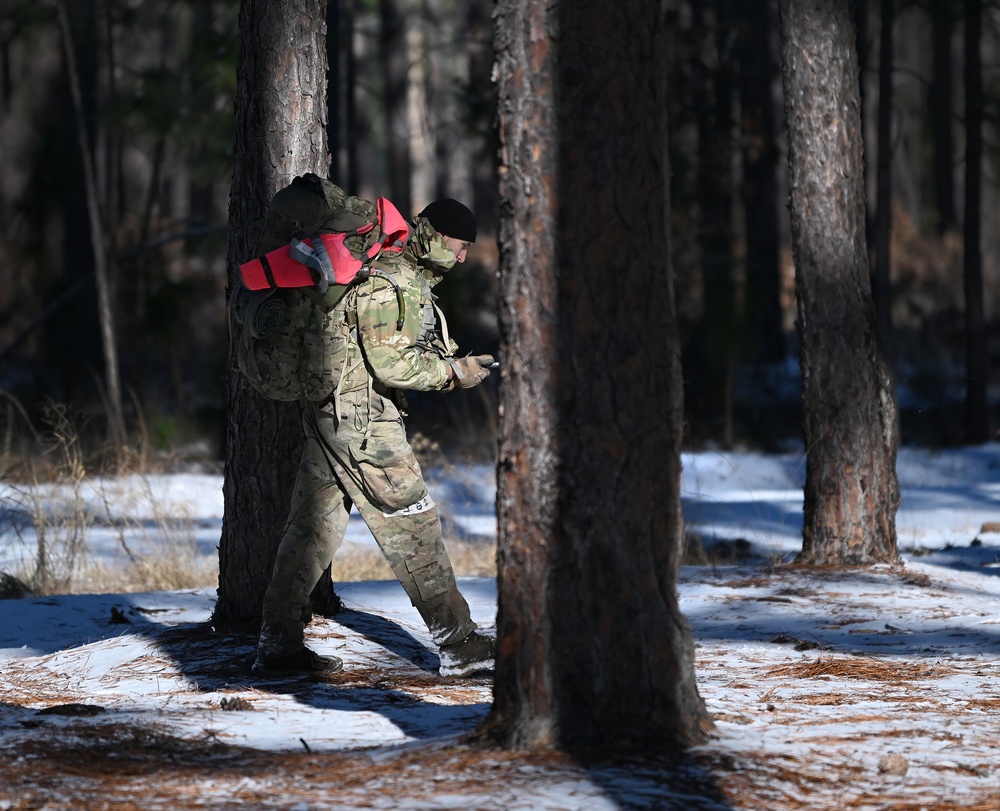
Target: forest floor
(865, 689)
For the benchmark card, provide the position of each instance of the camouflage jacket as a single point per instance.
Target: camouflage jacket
(413, 357)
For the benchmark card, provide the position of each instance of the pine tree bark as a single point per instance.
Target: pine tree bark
(851, 491)
(280, 133)
(593, 649)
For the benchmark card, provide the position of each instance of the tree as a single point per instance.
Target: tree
(592, 648)
(940, 113)
(395, 66)
(711, 358)
(977, 363)
(336, 38)
(281, 132)
(763, 338)
(881, 278)
(353, 128)
(106, 311)
(850, 424)
(480, 95)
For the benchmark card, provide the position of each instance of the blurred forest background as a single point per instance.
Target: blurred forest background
(147, 97)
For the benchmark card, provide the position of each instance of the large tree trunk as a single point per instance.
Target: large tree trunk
(593, 650)
(851, 491)
(977, 365)
(280, 133)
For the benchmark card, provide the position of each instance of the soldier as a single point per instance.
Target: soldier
(356, 452)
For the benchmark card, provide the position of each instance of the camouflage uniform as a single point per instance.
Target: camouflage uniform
(356, 452)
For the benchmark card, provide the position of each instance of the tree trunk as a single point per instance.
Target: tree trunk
(334, 109)
(977, 369)
(851, 491)
(478, 28)
(593, 651)
(105, 297)
(881, 280)
(352, 126)
(939, 108)
(864, 59)
(439, 93)
(763, 338)
(395, 63)
(280, 133)
(710, 360)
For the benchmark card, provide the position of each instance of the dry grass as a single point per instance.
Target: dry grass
(181, 570)
(356, 563)
(831, 699)
(146, 769)
(859, 668)
(783, 783)
(53, 475)
(984, 705)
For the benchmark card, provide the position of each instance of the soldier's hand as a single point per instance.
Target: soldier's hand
(472, 370)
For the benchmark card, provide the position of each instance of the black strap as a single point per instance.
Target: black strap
(268, 273)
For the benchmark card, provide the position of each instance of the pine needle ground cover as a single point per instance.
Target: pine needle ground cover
(863, 689)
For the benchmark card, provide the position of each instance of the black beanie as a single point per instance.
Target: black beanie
(451, 219)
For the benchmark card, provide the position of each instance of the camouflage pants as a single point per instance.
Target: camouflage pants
(373, 467)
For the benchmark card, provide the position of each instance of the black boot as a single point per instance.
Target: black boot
(303, 662)
(474, 654)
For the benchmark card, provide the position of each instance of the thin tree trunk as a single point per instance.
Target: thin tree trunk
(940, 114)
(480, 61)
(111, 191)
(881, 279)
(710, 360)
(977, 369)
(352, 126)
(335, 94)
(851, 491)
(116, 417)
(438, 90)
(763, 335)
(395, 62)
(593, 650)
(280, 133)
(864, 60)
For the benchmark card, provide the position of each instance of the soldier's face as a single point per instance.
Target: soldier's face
(458, 247)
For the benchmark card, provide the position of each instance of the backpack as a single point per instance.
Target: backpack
(292, 302)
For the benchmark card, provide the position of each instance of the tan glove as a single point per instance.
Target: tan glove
(472, 370)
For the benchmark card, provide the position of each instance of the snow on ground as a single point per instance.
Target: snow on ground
(865, 689)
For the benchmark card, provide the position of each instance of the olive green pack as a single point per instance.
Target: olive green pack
(291, 342)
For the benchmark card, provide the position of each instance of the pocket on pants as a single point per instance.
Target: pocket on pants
(430, 576)
(387, 470)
